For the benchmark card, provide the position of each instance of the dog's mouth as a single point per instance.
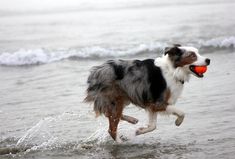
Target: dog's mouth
(197, 74)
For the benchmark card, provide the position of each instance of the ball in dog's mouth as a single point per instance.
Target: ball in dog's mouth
(198, 70)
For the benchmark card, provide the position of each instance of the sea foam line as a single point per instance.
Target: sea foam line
(42, 56)
(228, 42)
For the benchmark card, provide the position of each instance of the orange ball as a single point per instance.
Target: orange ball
(200, 69)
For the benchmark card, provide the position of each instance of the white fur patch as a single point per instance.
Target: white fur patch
(173, 77)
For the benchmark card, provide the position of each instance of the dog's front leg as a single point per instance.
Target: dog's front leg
(151, 125)
(174, 111)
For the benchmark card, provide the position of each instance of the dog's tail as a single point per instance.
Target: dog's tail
(100, 86)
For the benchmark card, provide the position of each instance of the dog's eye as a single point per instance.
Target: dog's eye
(192, 55)
(179, 53)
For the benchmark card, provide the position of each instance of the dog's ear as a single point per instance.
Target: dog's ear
(167, 49)
(176, 45)
(173, 50)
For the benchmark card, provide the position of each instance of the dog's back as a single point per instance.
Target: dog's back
(135, 81)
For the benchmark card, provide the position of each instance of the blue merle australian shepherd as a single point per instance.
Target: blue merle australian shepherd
(152, 84)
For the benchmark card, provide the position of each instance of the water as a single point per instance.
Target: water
(48, 47)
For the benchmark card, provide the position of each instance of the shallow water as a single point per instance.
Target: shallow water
(44, 117)
(45, 57)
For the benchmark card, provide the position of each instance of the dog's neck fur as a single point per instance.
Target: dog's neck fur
(180, 74)
(175, 77)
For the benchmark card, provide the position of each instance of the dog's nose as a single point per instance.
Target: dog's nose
(208, 61)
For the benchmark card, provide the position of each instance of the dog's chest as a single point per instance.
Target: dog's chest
(175, 88)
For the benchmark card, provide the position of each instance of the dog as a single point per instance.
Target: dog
(152, 84)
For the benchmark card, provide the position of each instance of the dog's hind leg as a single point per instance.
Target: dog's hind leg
(113, 124)
(129, 119)
(151, 125)
(174, 111)
(114, 115)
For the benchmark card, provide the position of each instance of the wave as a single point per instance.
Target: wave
(228, 42)
(43, 56)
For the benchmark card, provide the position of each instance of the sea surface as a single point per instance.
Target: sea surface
(47, 48)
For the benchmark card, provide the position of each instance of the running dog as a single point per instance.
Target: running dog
(152, 84)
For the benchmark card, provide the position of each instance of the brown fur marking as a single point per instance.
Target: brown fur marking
(114, 115)
(157, 107)
(187, 59)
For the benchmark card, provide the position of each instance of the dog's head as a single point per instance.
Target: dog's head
(186, 58)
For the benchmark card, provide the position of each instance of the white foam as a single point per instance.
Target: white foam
(219, 42)
(42, 56)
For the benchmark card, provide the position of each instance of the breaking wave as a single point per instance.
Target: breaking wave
(219, 42)
(43, 56)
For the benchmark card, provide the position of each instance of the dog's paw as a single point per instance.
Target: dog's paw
(133, 120)
(179, 120)
(118, 140)
(130, 119)
(123, 138)
(140, 131)
(144, 130)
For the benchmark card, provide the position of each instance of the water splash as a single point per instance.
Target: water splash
(38, 134)
(42, 136)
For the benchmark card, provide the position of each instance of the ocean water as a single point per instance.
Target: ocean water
(47, 48)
